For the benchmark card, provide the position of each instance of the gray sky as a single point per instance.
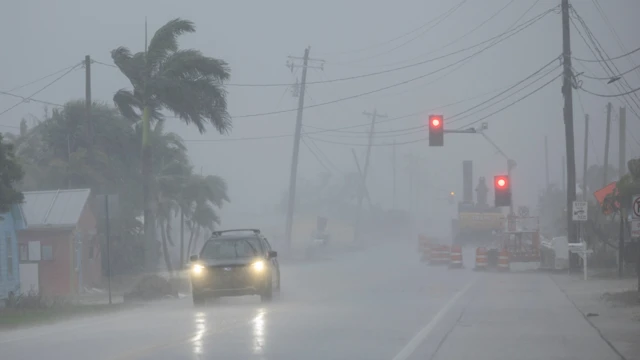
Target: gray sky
(255, 37)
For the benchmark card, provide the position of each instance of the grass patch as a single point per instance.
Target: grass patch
(13, 318)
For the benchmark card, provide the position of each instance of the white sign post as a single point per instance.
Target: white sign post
(635, 206)
(580, 209)
(635, 228)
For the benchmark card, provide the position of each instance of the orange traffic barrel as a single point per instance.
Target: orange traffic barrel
(503, 260)
(481, 258)
(455, 257)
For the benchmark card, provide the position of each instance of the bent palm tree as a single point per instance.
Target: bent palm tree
(184, 82)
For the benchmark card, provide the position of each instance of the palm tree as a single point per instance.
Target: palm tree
(202, 195)
(184, 82)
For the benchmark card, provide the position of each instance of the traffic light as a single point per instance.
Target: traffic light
(502, 190)
(436, 130)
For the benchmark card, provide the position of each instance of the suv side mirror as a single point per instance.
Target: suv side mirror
(272, 254)
(193, 258)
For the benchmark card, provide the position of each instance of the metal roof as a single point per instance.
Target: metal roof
(55, 208)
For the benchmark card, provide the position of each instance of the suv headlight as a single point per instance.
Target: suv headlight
(197, 269)
(258, 266)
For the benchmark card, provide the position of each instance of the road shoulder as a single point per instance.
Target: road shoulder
(618, 325)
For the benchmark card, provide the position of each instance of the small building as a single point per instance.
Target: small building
(10, 222)
(59, 250)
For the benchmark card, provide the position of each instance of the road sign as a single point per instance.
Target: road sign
(580, 209)
(635, 228)
(635, 205)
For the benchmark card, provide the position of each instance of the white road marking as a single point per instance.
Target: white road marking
(422, 335)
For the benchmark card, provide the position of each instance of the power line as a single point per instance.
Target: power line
(41, 78)
(462, 127)
(611, 96)
(510, 105)
(509, 32)
(610, 77)
(610, 58)
(439, 19)
(386, 87)
(388, 41)
(41, 89)
(463, 36)
(25, 99)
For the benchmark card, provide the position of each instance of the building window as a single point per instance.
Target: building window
(24, 252)
(47, 252)
(9, 249)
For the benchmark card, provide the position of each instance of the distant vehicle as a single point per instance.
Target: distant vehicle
(234, 263)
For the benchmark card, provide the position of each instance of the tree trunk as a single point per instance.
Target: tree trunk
(191, 234)
(165, 249)
(150, 258)
(168, 230)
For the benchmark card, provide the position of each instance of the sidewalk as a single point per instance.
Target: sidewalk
(618, 324)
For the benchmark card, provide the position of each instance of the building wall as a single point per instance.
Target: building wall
(9, 264)
(55, 274)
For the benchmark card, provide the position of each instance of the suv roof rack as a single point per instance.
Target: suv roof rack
(220, 232)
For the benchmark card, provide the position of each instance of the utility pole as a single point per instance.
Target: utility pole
(181, 239)
(564, 175)
(296, 143)
(606, 147)
(585, 158)
(567, 91)
(87, 104)
(374, 116)
(546, 163)
(622, 150)
(394, 174)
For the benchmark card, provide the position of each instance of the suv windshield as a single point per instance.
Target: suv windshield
(231, 248)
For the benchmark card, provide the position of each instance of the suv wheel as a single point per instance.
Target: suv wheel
(198, 299)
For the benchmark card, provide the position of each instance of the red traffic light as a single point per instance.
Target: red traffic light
(435, 122)
(501, 182)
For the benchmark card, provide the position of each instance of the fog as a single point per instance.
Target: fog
(352, 38)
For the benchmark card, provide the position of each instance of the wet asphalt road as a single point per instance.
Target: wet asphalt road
(378, 304)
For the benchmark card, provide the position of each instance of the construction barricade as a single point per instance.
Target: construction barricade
(455, 257)
(426, 253)
(440, 255)
(503, 260)
(481, 259)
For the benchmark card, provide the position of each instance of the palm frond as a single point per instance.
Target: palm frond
(127, 104)
(195, 102)
(132, 66)
(192, 64)
(165, 41)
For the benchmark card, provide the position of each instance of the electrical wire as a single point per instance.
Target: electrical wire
(611, 96)
(41, 89)
(600, 49)
(405, 131)
(511, 104)
(488, 40)
(387, 41)
(510, 33)
(613, 30)
(611, 58)
(612, 77)
(41, 78)
(439, 19)
(460, 128)
(314, 154)
(604, 64)
(386, 87)
(31, 99)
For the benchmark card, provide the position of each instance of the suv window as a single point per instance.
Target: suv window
(232, 248)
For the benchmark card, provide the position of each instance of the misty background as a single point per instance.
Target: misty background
(353, 38)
